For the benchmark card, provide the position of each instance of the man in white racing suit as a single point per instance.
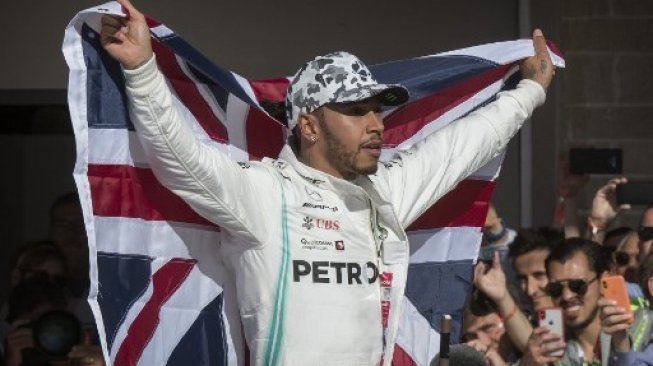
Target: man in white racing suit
(316, 238)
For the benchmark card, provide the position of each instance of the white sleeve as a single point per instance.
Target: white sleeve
(213, 184)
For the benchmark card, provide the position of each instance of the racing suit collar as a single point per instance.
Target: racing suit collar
(318, 178)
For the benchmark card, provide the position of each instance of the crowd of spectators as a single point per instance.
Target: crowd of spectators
(563, 267)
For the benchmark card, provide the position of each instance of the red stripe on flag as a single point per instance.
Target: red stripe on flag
(188, 93)
(273, 89)
(151, 22)
(164, 283)
(401, 357)
(411, 118)
(554, 48)
(264, 135)
(126, 191)
(466, 205)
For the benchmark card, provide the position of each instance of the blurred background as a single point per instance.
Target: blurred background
(604, 98)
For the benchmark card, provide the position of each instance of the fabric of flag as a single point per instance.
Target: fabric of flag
(159, 290)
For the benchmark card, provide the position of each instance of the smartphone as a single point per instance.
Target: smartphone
(635, 193)
(614, 287)
(595, 161)
(552, 318)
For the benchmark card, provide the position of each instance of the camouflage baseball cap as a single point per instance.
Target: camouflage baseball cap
(338, 77)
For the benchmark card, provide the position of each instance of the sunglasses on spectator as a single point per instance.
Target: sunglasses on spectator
(623, 258)
(577, 286)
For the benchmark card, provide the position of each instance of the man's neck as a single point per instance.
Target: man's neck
(588, 337)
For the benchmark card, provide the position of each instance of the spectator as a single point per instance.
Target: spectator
(483, 329)
(492, 291)
(574, 270)
(36, 259)
(29, 302)
(645, 232)
(528, 252)
(634, 348)
(67, 230)
(614, 237)
(626, 257)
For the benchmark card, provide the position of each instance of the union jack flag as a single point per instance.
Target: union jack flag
(159, 290)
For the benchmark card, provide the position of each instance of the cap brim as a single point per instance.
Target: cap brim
(390, 95)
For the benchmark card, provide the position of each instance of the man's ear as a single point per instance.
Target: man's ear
(650, 285)
(308, 126)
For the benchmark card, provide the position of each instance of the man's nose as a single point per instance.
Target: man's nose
(531, 287)
(374, 122)
(567, 294)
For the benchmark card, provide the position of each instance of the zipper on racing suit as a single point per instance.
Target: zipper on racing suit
(385, 278)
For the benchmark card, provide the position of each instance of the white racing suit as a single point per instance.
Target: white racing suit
(320, 263)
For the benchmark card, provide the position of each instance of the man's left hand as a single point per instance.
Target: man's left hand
(539, 67)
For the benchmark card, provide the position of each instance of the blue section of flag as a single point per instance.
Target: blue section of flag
(106, 100)
(122, 280)
(428, 75)
(220, 95)
(205, 343)
(212, 72)
(437, 288)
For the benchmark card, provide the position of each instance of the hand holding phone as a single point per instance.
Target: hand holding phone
(613, 287)
(635, 193)
(552, 319)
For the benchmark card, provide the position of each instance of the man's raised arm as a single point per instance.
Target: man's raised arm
(208, 180)
(437, 164)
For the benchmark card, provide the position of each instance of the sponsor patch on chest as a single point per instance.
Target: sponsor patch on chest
(336, 272)
(310, 223)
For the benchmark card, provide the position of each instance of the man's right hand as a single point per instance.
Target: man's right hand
(541, 345)
(127, 39)
(491, 280)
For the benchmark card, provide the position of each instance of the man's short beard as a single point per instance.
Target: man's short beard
(338, 155)
(582, 325)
